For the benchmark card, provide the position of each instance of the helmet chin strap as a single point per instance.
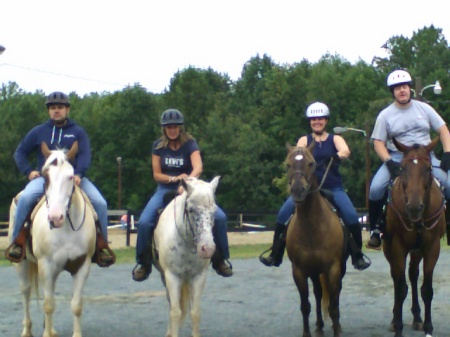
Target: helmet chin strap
(317, 133)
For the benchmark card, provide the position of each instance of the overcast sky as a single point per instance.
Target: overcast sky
(96, 45)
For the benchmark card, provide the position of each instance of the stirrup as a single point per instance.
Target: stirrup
(11, 258)
(146, 271)
(101, 263)
(264, 260)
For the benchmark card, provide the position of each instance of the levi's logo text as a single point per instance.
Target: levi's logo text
(177, 162)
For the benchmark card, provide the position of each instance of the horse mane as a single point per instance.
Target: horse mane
(57, 158)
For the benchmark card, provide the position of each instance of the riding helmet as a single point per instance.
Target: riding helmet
(171, 117)
(57, 97)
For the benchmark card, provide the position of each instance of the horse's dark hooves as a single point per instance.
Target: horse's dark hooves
(418, 326)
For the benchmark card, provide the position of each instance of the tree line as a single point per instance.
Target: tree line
(242, 126)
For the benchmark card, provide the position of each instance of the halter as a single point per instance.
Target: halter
(308, 180)
(67, 211)
(188, 228)
(421, 222)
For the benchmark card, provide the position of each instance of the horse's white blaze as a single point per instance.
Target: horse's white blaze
(298, 157)
(184, 241)
(58, 249)
(58, 193)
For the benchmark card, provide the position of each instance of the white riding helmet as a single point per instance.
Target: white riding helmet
(398, 77)
(317, 109)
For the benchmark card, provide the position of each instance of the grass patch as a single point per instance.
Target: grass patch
(127, 255)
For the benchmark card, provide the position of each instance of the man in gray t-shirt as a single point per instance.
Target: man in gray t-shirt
(410, 122)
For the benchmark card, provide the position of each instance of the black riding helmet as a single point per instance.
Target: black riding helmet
(57, 97)
(171, 117)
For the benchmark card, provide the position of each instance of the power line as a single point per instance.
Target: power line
(62, 75)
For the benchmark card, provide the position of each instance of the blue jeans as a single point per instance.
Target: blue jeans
(343, 203)
(35, 189)
(147, 224)
(381, 179)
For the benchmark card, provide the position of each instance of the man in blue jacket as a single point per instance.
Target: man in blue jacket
(59, 132)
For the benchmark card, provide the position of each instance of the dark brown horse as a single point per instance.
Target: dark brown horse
(415, 223)
(315, 242)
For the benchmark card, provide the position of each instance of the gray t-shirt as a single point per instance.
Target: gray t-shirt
(409, 125)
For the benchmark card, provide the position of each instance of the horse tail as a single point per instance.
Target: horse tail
(325, 296)
(184, 301)
(33, 273)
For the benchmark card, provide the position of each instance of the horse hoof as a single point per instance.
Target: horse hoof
(418, 326)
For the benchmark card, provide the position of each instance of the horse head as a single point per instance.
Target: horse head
(416, 177)
(59, 185)
(200, 209)
(301, 168)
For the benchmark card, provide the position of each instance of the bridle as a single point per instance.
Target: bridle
(404, 219)
(69, 203)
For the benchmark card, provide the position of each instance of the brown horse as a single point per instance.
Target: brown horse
(415, 223)
(315, 242)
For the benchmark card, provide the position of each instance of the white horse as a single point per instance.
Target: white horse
(183, 248)
(62, 238)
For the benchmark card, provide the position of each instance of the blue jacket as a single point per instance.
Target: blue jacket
(56, 138)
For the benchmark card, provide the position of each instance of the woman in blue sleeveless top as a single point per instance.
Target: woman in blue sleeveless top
(328, 147)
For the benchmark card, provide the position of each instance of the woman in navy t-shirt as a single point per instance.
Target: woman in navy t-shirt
(175, 156)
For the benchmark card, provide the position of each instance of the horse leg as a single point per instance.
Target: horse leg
(48, 279)
(302, 285)
(173, 286)
(398, 266)
(25, 288)
(195, 299)
(426, 290)
(318, 296)
(413, 273)
(79, 279)
(334, 284)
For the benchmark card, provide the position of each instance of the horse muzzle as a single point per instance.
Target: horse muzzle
(206, 249)
(55, 221)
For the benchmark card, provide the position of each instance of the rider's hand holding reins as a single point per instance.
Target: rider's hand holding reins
(34, 175)
(394, 168)
(445, 161)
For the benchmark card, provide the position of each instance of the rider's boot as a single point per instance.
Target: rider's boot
(375, 218)
(355, 245)
(103, 256)
(275, 257)
(143, 268)
(447, 220)
(219, 264)
(16, 252)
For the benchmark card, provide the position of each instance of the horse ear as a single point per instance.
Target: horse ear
(433, 144)
(45, 150)
(73, 151)
(214, 183)
(403, 148)
(288, 147)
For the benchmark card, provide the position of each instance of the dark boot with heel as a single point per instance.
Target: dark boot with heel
(354, 247)
(375, 219)
(222, 266)
(275, 257)
(143, 268)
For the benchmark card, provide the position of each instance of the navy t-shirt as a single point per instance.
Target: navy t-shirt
(176, 162)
